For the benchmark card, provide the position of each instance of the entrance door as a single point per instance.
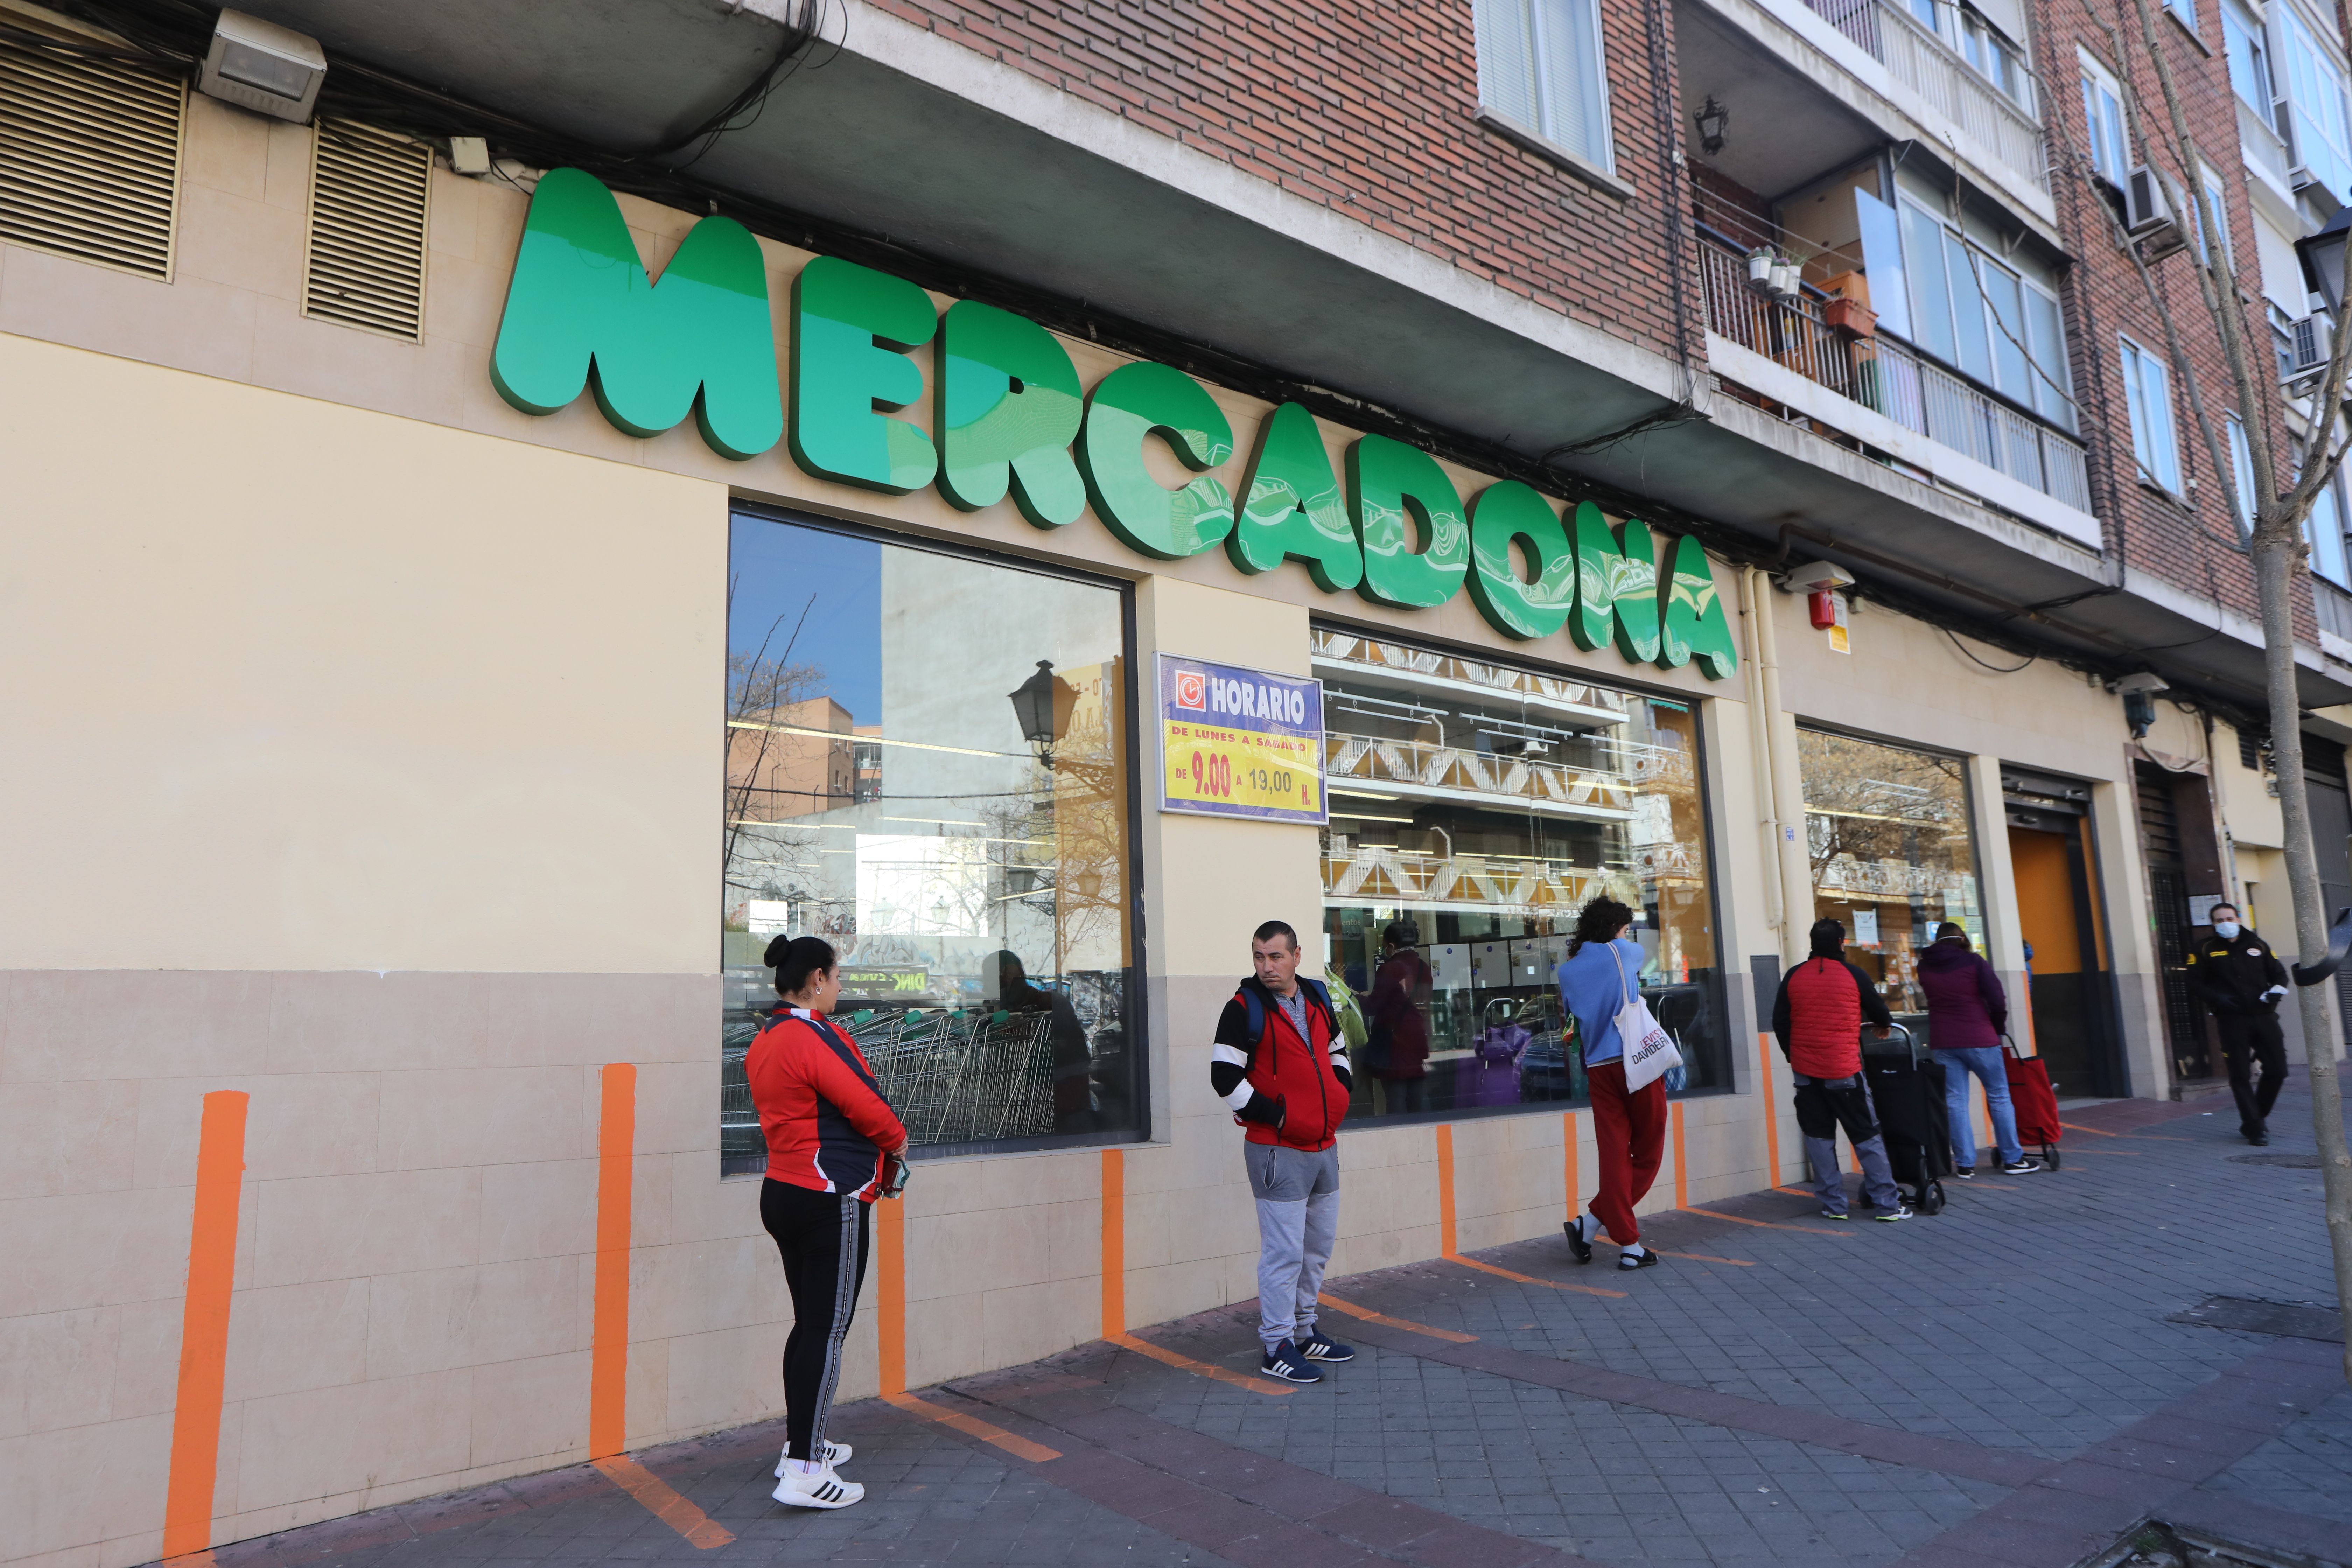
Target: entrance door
(2067, 968)
(2169, 838)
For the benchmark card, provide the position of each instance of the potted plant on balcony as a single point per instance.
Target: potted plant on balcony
(1848, 310)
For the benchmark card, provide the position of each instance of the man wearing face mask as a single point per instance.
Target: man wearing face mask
(2242, 981)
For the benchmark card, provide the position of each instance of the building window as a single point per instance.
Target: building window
(2103, 114)
(2148, 388)
(1980, 314)
(2216, 199)
(1539, 67)
(2323, 530)
(1893, 854)
(1479, 806)
(2315, 109)
(881, 794)
(2184, 12)
(2242, 473)
(2250, 59)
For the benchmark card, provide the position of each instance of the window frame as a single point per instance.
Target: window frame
(1944, 309)
(2217, 194)
(2138, 361)
(2097, 78)
(1602, 157)
(2298, 105)
(2245, 40)
(1144, 1044)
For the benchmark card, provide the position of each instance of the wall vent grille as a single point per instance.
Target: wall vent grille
(89, 159)
(369, 193)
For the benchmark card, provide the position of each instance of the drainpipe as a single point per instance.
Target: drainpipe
(1796, 873)
(1760, 745)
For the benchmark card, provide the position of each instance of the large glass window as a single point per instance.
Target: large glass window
(1476, 807)
(2315, 104)
(2147, 394)
(1887, 830)
(2249, 59)
(926, 767)
(1539, 67)
(2103, 115)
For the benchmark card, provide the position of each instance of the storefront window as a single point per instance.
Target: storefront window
(927, 767)
(1893, 854)
(1476, 807)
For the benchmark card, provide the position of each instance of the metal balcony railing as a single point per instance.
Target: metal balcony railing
(1919, 58)
(1882, 375)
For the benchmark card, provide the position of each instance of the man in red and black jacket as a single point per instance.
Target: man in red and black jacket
(1281, 1063)
(1818, 1017)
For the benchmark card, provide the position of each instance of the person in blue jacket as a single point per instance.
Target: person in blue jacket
(1629, 1131)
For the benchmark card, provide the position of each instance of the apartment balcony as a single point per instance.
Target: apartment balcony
(1752, 335)
(1919, 58)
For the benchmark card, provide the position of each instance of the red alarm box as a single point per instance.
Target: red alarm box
(1823, 604)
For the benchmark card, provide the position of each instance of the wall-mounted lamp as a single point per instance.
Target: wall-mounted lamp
(1043, 704)
(2138, 692)
(1713, 122)
(263, 66)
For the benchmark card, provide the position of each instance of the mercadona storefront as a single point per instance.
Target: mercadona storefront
(510, 712)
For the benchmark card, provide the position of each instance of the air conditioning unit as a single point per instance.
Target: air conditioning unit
(2148, 209)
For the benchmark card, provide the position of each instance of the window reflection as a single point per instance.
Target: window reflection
(1475, 809)
(966, 854)
(1893, 854)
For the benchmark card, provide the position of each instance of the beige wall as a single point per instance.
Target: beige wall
(371, 769)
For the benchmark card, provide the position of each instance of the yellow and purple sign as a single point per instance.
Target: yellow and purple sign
(1239, 742)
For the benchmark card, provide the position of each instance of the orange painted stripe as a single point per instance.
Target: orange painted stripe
(1682, 1174)
(1693, 1257)
(204, 1326)
(664, 1501)
(2077, 1127)
(1770, 1224)
(1771, 1110)
(608, 1375)
(973, 1427)
(1575, 1183)
(1530, 1279)
(1201, 1368)
(1445, 1189)
(1113, 1243)
(1369, 1316)
(890, 1293)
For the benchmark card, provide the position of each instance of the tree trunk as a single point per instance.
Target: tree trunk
(2274, 557)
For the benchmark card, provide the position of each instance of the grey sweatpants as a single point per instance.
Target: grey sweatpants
(1297, 1220)
(1822, 1105)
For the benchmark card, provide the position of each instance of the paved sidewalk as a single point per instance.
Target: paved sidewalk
(2000, 1384)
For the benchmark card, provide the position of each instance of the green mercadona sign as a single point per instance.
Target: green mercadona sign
(1009, 418)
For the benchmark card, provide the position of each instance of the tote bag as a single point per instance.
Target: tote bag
(1649, 1050)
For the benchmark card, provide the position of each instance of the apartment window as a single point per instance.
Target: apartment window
(2147, 387)
(1995, 58)
(2242, 471)
(1981, 315)
(2324, 529)
(2103, 115)
(2217, 201)
(2249, 59)
(2315, 104)
(1476, 807)
(1539, 67)
(881, 793)
(2184, 12)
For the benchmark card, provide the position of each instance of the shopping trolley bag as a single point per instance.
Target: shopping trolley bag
(2034, 1103)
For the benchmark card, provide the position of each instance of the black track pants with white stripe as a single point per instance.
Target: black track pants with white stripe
(823, 1239)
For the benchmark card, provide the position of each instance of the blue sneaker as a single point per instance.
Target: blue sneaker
(1284, 1363)
(1320, 1347)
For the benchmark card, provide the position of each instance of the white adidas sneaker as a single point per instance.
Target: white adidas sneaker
(834, 1454)
(823, 1490)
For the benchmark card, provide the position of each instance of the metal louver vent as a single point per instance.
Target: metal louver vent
(89, 158)
(366, 262)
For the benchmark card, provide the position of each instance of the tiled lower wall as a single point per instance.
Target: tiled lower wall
(414, 1265)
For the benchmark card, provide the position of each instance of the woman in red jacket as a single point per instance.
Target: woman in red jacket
(832, 1142)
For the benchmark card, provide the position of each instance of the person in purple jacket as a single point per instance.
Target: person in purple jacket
(1967, 1013)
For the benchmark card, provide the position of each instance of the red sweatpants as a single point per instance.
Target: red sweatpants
(1629, 1133)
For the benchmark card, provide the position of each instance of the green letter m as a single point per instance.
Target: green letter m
(581, 295)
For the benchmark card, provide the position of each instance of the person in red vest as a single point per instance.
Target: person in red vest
(1280, 1063)
(1818, 1017)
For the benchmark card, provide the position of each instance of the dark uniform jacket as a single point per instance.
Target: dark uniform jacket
(2233, 975)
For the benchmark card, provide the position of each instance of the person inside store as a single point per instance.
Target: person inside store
(1396, 1051)
(834, 1146)
(1006, 986)
(1818, 1017)
(1280, 1062)
(2243, 982)
(1967, 1013)
(1602, 972)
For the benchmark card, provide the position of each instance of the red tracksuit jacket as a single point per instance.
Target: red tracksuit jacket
(821, 1111)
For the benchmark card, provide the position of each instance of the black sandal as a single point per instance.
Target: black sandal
(1576, 1242)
